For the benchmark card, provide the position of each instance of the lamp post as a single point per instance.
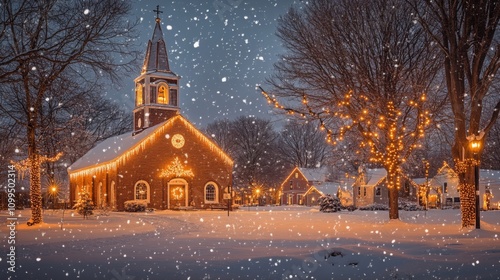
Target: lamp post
(475, 145)
(53, 191)
(258, 196)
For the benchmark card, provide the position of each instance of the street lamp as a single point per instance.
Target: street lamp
(53, 191)
(475, 145)
(258, 196)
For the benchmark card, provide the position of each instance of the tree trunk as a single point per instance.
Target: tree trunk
(392, 186)
(35, 182)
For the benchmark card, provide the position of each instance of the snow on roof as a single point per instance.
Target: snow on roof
(115, 150)
(419, 181)
(314, 174)
(373, 176)
(489, 177)
(111, 148)
(327, 187)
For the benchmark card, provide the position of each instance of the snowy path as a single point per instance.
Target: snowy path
(264, 243)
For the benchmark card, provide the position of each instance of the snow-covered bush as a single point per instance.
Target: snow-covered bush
(84, 205)
(374, 207)
(409, 206)
(135, 205)
(328, 203)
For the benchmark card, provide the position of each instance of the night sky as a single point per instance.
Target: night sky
(221, 56)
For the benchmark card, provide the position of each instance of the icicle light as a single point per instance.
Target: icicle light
(143, 144)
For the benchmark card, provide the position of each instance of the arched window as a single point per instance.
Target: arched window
(141, 191)
(163, 94)
(211, 193)
(138, 95)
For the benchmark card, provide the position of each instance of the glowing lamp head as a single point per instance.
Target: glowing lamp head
(475, 145)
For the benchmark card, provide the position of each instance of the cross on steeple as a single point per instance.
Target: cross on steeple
(158, 12)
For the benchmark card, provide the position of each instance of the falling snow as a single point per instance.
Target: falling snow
(229, 49)
(259, 243)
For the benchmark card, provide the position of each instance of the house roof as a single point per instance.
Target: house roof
(115, 150)
(327, 187)
(314, 174)
(489, 177)
(419, 181)
(374, 176)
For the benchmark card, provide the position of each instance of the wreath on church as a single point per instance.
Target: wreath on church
(178, 193)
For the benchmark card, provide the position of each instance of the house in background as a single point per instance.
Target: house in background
(371, 188)
(298, 182)
(444, 190)
(489, 189)
(304, 186)
(312, 195)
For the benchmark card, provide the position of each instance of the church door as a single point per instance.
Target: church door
(177, 193)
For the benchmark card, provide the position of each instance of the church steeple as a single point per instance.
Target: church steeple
(156, 58)
(157, 87)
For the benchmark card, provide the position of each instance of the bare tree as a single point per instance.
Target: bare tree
(45, 44)
(465, 31)
(254, 152)
(303, 144)
(220, 131)
(362, 67)
(491, 156)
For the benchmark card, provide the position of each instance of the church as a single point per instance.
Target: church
(165, 160)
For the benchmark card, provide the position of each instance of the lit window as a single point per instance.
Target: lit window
(211, 193)
(142, 191)
(163, 94)
(138, 95)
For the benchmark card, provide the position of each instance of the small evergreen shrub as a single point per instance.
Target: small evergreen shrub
(329, 204)
(135, 206)
(84, 205)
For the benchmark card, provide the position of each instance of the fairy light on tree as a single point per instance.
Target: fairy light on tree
(470, 60)
(377, 98)
(31, 165)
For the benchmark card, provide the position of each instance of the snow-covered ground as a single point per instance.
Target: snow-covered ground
(255, 243)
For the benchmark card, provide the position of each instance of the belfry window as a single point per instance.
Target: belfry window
(163, 94)
(138, 95)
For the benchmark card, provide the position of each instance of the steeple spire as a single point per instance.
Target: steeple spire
(158, 12)
(156, 59)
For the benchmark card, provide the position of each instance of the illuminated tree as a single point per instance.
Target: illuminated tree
(465, 31)
(48, 45)
(359, 67)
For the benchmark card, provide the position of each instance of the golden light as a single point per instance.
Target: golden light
(475, 145)
(53, 189)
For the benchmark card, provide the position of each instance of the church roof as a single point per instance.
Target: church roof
(156, 59)
(115, 150)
